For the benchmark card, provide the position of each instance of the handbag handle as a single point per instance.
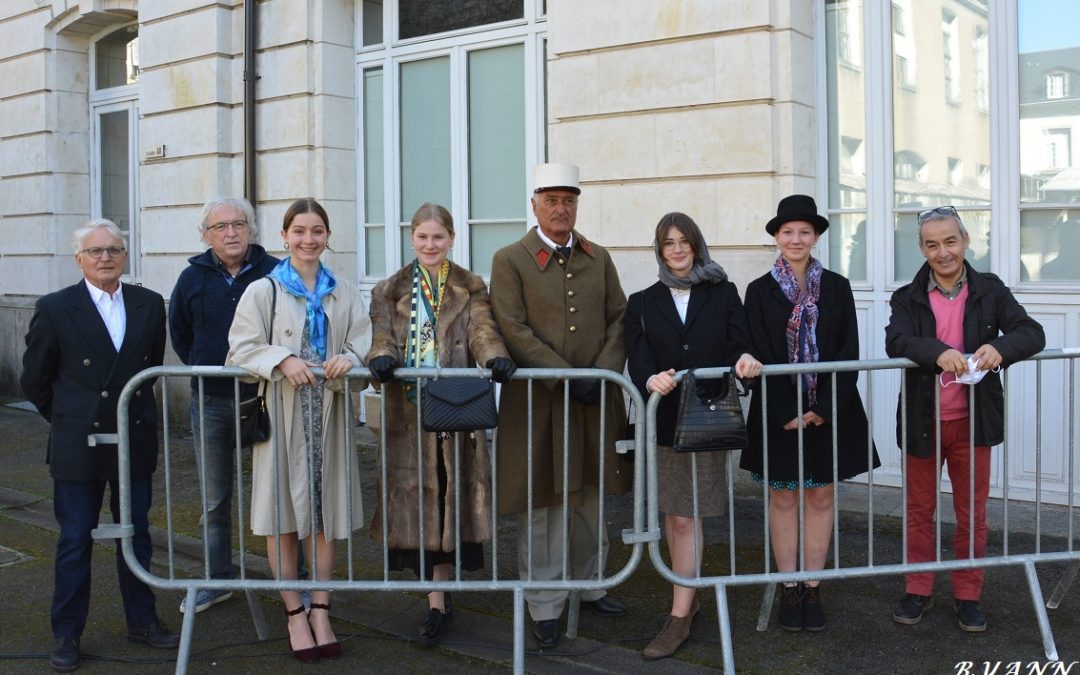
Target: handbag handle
(270, 334)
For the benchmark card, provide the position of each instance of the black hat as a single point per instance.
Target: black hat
(797, 207)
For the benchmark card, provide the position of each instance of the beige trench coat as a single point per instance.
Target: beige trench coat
(556, 314)
(466, 335)
(348, 334)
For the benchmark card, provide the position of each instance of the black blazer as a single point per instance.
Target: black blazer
(767, 311)
(74, 376)
(714, 335)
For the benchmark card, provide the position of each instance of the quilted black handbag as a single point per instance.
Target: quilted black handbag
(459, 404)
(710, 422)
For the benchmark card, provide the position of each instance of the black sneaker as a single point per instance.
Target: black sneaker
(969, 616)
(813, 614)
(791, 607)
(910, 610)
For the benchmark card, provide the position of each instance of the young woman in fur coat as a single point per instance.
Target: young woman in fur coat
(433, 313)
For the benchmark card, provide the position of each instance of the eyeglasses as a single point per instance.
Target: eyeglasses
(96, 252)
(941, 211)
(552, 201)
(677, 245)
(238, 225)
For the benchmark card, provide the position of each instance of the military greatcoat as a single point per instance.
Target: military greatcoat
(556, 313)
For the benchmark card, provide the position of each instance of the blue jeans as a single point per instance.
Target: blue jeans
(76, 505)
(216, 459)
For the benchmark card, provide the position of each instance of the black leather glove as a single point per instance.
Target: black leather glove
(382, 368)
(501, 369)
(585, 392)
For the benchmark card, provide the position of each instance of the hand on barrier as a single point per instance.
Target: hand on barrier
(662, 383)
(747, 367)
(585, 392)
(336, 366)
(502, 369)
(297, 371)
(382, 368)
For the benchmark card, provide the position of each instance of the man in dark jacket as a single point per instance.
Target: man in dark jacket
(947, 311)
(200, 312)
(84, 344)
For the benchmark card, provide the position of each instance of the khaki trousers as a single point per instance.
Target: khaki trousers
(584, 560)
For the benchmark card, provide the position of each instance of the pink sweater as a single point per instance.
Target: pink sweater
(949, 315)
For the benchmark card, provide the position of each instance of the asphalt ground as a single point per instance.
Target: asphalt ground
(377, 627)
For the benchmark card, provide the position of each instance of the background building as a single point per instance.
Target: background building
(135, 110)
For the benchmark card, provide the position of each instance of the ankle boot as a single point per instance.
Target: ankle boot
(675, 631)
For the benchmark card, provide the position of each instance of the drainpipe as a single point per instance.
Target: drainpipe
(250, 77)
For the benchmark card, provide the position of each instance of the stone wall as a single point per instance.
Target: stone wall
(696, 106)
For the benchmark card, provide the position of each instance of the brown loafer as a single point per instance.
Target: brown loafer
(675, 632)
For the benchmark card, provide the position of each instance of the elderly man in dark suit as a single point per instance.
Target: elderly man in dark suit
(85, 342)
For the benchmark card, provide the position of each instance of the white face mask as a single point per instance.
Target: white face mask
(972, 376)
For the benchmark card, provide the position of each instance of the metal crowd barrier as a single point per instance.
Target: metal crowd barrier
(870, 567)
(634, 536)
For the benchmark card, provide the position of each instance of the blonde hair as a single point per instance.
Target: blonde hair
(431, 211)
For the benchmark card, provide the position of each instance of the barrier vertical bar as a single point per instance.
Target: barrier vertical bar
(1038, 458)
(382, 479)
(350, 451)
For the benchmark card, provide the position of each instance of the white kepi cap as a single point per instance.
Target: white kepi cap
(553, 176)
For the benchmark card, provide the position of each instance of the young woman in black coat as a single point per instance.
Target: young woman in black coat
(800, 312)
(691, 318)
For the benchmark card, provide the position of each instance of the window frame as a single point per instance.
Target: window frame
(530, 32)
(108, 100)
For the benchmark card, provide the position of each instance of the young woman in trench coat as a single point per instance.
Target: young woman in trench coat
(316, 322)
(433, 313)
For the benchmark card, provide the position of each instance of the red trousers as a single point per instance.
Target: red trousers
(922, 476)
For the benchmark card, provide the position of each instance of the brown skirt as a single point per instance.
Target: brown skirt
(675, 477)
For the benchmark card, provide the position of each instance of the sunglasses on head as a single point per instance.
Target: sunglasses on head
(941, 211)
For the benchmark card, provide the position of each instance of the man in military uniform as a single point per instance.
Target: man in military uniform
(557, 300)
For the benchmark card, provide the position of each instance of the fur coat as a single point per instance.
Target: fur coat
(466, 335)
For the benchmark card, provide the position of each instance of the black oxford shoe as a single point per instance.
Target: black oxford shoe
(605, 606)
(546, 633)
(155, 634)
(64, 656)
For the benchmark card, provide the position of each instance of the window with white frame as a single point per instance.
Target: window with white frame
(981, 48)
(950, 38)
(114, 134)
(929, 137)
(1057, 85)
(451, 113)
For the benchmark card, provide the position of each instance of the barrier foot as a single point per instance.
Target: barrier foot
(1063, 585)
(1040, 612)
(187, 630)
(725, 629)
(766, 608)
(519, 631)
(257, 616)
(573, 614)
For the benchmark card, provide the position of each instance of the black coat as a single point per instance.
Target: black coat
(767, 311)
(714, 335)
(74, 376)
(991, 316)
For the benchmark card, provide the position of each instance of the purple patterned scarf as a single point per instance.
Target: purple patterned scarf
(802, 344)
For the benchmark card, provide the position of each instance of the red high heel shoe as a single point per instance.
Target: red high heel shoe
(330, 650)
(307, 654)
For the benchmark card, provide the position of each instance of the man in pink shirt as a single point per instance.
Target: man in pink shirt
(950, 310)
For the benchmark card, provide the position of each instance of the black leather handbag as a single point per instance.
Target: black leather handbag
(254, 418)
(710, 422)
(254, 421)
(459, 404)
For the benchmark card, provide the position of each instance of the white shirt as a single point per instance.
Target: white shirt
(111, 309)
(544, 238)
(681, 296)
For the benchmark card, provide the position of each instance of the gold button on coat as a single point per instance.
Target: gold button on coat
(573, 329)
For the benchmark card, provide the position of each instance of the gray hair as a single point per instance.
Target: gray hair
(238, 203)
(83, 232)
(941, 216)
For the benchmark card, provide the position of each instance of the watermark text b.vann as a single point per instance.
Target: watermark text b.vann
(1017, 668)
